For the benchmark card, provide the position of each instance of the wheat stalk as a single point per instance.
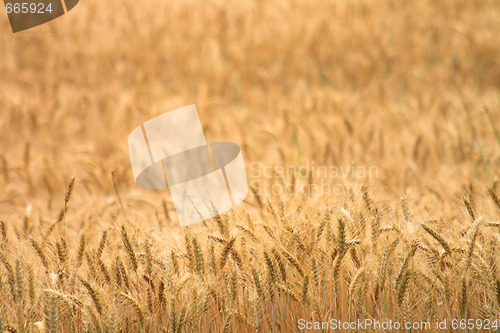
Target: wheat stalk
(129, 249)
(94, 295)
(138, 309)
(225, 252)
(40, 252)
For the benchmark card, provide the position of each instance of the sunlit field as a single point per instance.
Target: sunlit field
(370, 132)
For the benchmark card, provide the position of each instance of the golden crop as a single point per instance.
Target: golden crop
(410, 88)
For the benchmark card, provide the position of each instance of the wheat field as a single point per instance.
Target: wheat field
(408, 88)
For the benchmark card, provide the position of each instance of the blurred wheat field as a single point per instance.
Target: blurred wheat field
(409, 87)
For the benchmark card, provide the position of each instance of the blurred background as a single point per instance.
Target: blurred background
(409, 87)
